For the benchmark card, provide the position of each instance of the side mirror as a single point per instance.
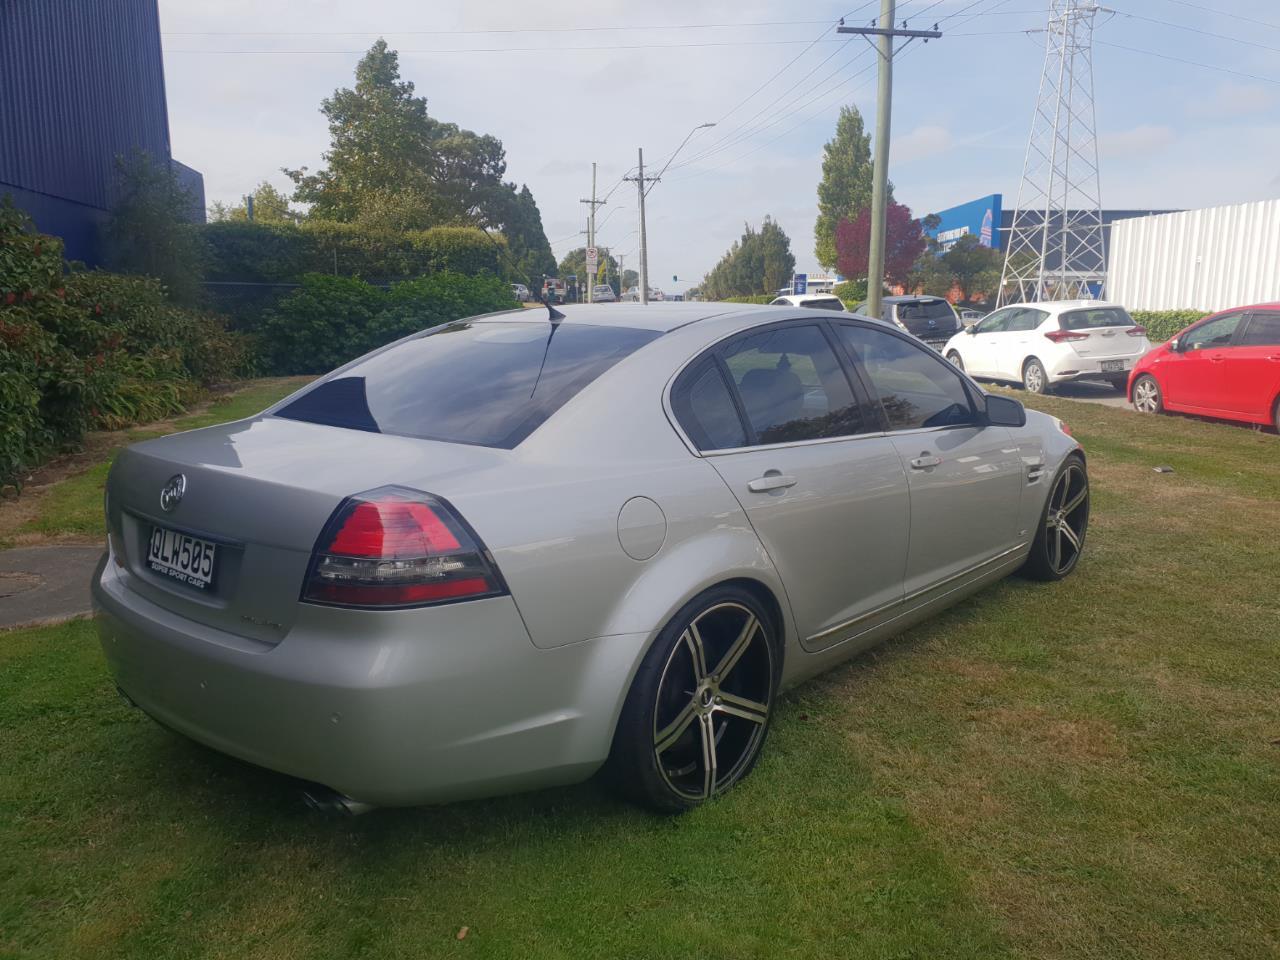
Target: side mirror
(1175, 345)
(971, 329)
(1005, 411)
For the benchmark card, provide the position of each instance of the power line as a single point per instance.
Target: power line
(1224, 13)
(1203, 33)
(1193, 63)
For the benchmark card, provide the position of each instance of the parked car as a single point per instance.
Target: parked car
(1227, 366)
(521, 292)
(630, 295)
(554, 290)
(1040, 345)
(603, 293)
(969, 316)
(815, 301)
(502, 552)
(932, 319)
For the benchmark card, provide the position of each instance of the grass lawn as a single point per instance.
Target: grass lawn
(72, 507)
(1088, 769)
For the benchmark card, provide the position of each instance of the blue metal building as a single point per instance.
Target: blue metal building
(81, 84)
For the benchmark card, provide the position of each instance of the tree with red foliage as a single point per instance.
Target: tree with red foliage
(904, 242)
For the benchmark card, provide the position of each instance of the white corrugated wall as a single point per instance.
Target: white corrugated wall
(1207, 259)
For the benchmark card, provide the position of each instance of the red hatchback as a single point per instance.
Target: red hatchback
(1227, 365)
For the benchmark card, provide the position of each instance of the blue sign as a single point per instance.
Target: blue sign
(980, 217)
(800, 284)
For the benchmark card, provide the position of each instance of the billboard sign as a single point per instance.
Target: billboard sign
(980, 217)
(800, 284)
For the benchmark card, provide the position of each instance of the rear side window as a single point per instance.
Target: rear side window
(915, 386)
(705, 408)
(1095, 317)
(490, 383)
(1263, 329)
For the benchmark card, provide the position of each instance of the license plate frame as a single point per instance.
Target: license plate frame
(182, 557)
(1114, 366)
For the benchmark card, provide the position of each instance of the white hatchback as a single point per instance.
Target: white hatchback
(1042, 344)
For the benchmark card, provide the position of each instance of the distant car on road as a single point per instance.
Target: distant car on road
(603, 293)
(811, 301)
(969, 317)
(932, 319)
(1043, 344)
(1227, 366)
(630, 295)
(554, 290)
(521, 292)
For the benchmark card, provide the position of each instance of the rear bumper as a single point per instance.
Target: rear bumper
(390, 708)
(1090, 368)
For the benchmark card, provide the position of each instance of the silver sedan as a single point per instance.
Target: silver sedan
(504, 553)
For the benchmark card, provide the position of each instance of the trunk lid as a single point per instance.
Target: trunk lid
(1104, 333)
(262, 490)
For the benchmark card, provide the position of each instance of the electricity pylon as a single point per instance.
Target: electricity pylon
(1055, 248)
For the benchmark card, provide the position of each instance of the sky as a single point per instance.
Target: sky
(564, 85)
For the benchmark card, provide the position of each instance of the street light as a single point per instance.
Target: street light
(643, 190)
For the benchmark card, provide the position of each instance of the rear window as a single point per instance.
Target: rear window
(823, 303)
(1094, 317)
(490, 384)
(925, 310)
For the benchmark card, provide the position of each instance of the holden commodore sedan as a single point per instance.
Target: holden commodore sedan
(507, 552)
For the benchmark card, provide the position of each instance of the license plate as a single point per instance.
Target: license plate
(1114, 366)
(181, 556)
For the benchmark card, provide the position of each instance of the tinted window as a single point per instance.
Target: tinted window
(704, 406)
(1026, 319)
(925, 310)
(1213, 333)
(1095, 317)
(489, 383)
(791, 385)
(997, 322)
(823, 303)
(916, 388)
(1263, 329)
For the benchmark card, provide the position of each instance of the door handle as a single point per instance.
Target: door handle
(1216, 359)
(1274, 358)
(771, 481)
(925, 461)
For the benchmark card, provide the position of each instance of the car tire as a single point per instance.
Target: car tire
(1275, 415)
(956, 359)
(1147, 396)
(723, 645)
(1064, 522)
(1034, 378)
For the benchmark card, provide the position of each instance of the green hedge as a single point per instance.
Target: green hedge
(1163, 324)
(91, 350)
(245, 252)
(757, 298)
(329, 320)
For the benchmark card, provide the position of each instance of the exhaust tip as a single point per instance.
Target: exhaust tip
(331, 803)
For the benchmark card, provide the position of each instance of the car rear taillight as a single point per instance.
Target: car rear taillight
(395, 547)
(1063, 336)
(1137, 331)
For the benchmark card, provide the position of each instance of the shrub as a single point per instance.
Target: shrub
(245, 252)
(1163, 324)
(852, 292)
(86, 350)
(330, 320)
(755, 298)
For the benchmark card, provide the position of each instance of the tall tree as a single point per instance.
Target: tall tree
(903, 244)
(269, 206)
(531, 254)
(391, 164)
(760, 262)
(974, 267)
(845, 187)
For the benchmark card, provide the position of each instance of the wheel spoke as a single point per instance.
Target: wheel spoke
(736, 706)
(693, 640)
(735, 652)
(1070, 534)
(1075, 501)
(1055, 548)
(668, 735)
(707, 726)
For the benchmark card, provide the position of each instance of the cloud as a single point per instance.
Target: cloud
(923, 141)
(1138, 140)
(1233, 100)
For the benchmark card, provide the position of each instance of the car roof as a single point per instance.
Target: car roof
(910, 298)
(662, 316)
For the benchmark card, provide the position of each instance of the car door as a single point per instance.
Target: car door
(979, 352)
(1193, 376)
(773, 410)
(1250, 371)
(965, 477)
(1017, 342)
